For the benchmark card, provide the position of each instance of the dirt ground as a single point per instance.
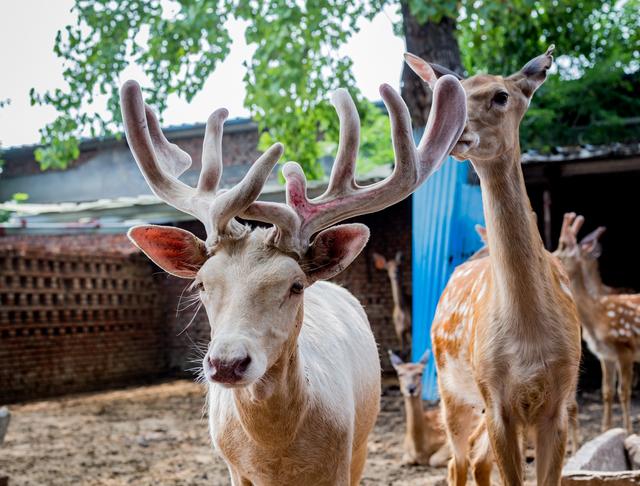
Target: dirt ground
(157, 435)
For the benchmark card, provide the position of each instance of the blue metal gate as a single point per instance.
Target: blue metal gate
(445, 210)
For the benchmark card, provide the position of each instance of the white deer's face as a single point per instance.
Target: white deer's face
(253, 298)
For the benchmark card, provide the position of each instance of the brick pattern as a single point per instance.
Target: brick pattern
(85, 312)
(72, 321)
(188, 334)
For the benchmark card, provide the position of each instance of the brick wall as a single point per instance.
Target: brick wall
(86, 312)
(76, 314)
(390, 232)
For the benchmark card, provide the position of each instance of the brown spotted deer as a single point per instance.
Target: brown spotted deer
(610, 322)
(292, 368)
(506, 332)
(592, 249)
(424, 440)
(401, 301)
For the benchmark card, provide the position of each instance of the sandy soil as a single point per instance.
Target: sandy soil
(157, 435)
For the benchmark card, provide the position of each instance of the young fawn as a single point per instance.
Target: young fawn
(610, 322)
(401, 301)
(506, 333)
(292, 368)
(424, 440)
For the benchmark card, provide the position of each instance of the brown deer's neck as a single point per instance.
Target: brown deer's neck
(272, 410)
(415, 420)
(592, 278)
(586, 302)
(397, 291)
(519, 265)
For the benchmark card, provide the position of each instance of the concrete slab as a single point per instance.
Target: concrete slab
(604, 453)
(5, 417)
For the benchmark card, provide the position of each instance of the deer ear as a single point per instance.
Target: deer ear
(534, 73)
(395, 359)
(379, 261)
(482, 232)
(425, 357)
(590, 244)
(427, 71)
(175, 250)
(333, 250)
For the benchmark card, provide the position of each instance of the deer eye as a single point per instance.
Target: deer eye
(297, 288)
(500, 98)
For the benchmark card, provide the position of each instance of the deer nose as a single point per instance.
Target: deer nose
(230, 371)
(411, 389)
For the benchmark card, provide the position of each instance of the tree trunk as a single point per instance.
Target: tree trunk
(434, 42)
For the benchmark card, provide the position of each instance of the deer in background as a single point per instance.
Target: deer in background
(424, 440)
(292, 368)
(401, 301)
(506, 332)
(592, 250)
(483, 251)
(610, 322)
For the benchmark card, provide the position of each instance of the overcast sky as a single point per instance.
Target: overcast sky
(27, 33)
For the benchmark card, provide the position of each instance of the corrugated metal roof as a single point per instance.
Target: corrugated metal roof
(445, 210)
(583, 152)
(172, 131)
(113, 215)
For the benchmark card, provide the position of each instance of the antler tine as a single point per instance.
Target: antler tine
(162, 162)
(443, 128)
(285, 221)
(343, 199)
(172, 159)
(406, 161)
(343, 171)
(212, 152)
(236, 200)
(147, 143)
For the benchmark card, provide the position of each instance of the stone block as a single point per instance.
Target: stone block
(5, 417)
(632, 444)
(604, 453)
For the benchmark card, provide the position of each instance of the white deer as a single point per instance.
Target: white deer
(292, 367)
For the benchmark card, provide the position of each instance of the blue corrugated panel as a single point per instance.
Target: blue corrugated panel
(445, 210)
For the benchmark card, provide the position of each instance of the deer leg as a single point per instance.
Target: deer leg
(481, 457)
(503, 434)
(459, 421)
(608, 386)
(551, 439)
(625, 374)
(574, 424)
(357, 464)
(237, 479)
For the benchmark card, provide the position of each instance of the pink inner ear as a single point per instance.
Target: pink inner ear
(379, 261)
(334, 249)
(176, 251)
(421, 68)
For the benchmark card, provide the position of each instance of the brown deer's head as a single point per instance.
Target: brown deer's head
(495, 105)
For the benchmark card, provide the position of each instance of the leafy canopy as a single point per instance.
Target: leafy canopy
(297, 63)
(597, 90)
